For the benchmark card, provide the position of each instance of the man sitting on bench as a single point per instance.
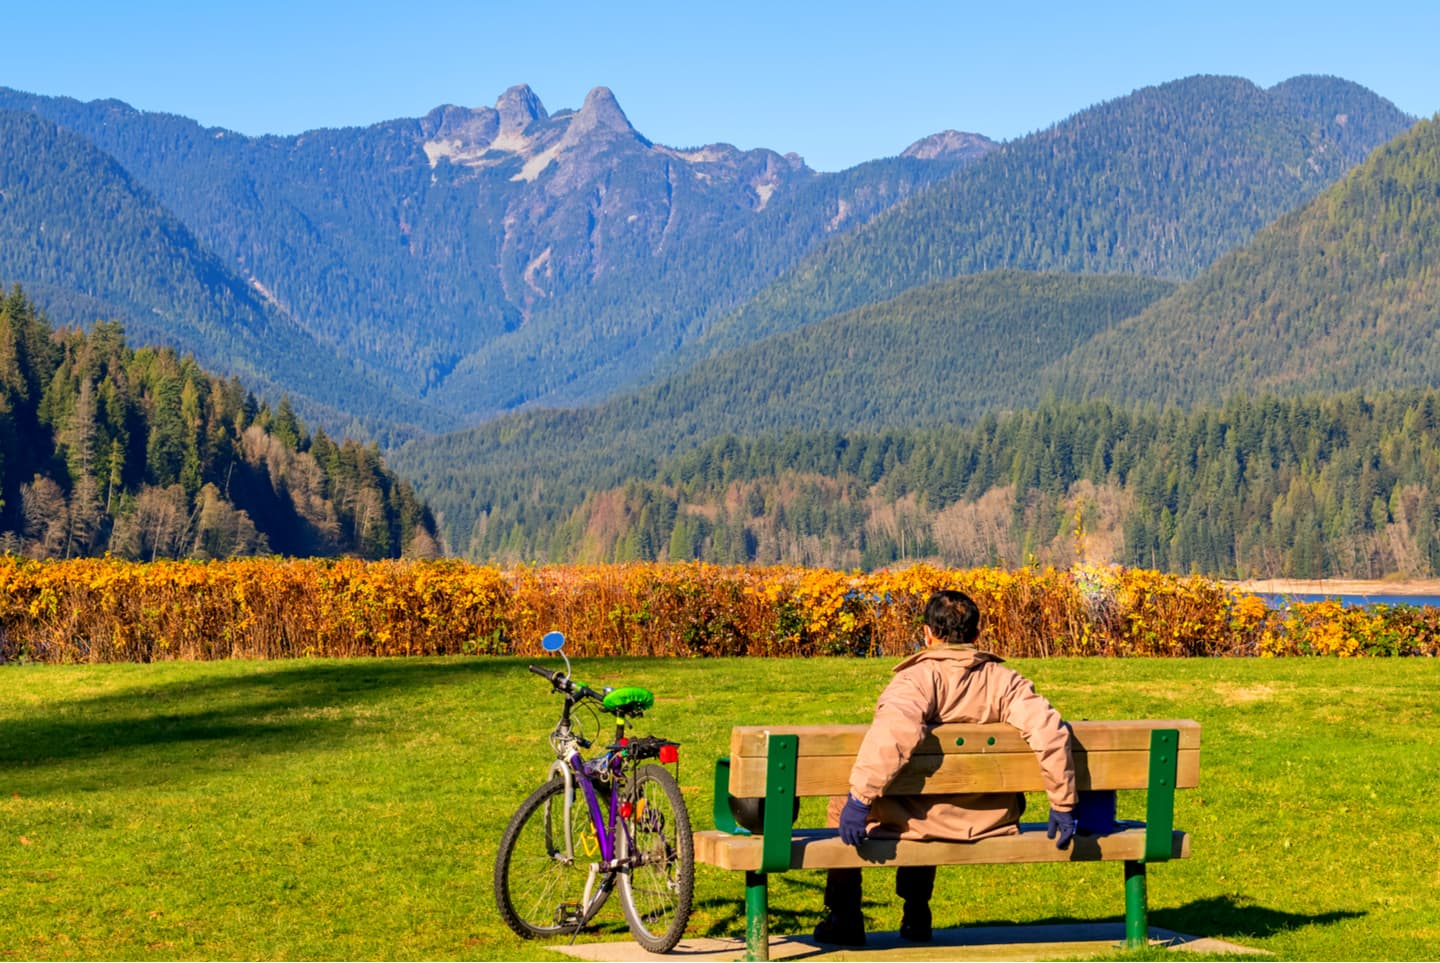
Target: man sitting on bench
(949, 680)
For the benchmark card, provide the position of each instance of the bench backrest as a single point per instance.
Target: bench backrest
(964, 758)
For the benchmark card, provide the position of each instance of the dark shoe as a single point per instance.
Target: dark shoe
(838, 931)
(915, 924)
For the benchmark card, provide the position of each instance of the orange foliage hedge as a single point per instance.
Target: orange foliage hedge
(105, 610)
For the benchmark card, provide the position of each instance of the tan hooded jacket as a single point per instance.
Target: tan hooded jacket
(954, 683)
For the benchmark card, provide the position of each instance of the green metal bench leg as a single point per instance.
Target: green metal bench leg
(757, 916)
(1137, 916)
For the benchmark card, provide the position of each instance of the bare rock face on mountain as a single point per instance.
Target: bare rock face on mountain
(952, 144)
(549, 147)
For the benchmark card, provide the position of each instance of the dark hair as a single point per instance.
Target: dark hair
(953, 617)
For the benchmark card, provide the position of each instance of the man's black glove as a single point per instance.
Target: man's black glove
(852, 821)
(1063, 824)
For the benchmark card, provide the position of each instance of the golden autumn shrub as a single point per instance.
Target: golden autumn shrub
(104, 610)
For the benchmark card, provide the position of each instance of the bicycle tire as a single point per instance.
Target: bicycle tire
(657, 886)
(539, 891)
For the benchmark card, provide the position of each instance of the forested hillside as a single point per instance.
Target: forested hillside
(142, 454)
(942, 354)
(1275, 487)
(1342, 292)
(1160, 183)
(79, 233)
(938, 354)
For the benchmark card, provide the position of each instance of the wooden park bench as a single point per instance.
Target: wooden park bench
(781, 764)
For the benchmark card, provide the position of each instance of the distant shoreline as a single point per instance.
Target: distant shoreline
(1338, 586)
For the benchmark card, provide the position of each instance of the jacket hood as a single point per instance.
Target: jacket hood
(966, 655)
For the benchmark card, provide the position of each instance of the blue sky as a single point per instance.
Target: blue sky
(839, 82)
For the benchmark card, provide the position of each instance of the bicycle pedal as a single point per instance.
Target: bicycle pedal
(568, 916)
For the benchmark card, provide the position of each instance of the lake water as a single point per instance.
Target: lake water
(1280, 600)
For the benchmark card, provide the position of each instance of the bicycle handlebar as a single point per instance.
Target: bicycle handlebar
(567, 685)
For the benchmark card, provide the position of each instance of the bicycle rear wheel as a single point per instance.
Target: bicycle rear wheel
(545, 884)
(657, 886)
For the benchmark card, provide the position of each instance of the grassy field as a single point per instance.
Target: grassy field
(350, 809)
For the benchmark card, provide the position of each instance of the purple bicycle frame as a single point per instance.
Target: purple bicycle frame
(584, 771)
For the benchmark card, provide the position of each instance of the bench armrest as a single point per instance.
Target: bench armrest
(779, 802)
(1160, 794)
(720, 809)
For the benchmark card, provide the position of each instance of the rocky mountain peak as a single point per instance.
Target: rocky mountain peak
(519, 108)
(950, 145)
(601, 111)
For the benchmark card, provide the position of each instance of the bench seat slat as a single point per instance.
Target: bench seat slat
(823, 849)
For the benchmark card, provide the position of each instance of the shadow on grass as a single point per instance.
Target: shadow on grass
(797, 914)
(249, 708)
(1238, 919)
(1219, 917)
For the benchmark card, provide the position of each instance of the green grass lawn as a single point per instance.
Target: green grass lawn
(351, 809)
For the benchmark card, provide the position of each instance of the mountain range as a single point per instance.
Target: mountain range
(470, 261)
(626, 302)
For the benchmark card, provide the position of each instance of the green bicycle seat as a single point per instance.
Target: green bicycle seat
(631, 700)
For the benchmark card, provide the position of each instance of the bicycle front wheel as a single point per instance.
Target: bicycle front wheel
(657, 885)
(547, 877)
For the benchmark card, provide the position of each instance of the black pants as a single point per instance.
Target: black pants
(843, 887)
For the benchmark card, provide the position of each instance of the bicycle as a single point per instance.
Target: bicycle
(562, 853)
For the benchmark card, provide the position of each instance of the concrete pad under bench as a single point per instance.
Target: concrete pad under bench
(1008, 943)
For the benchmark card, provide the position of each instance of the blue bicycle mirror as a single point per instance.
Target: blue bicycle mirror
(555, 642)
